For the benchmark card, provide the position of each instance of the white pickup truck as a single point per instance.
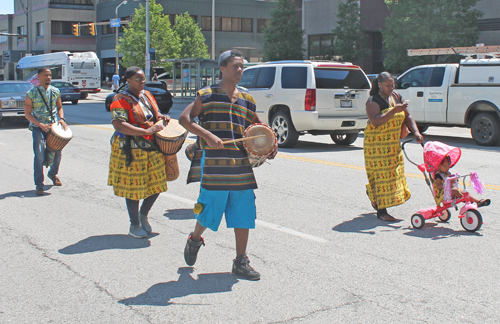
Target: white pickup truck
(465, 94)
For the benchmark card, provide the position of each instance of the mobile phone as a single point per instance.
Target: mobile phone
(407, 102)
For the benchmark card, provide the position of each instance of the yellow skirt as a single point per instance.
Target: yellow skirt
(384, 163)
(143, 178)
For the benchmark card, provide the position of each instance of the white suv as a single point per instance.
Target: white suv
(298, 97)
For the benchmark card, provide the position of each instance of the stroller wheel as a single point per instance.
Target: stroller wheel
(472, 220)
(417, 221)
(445, 216)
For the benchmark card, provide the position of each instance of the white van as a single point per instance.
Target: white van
(298, 97)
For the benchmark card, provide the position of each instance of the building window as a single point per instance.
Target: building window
(39, 29)
(66, 28)
(20, 31)
(320, 47)
(246, 25)
(73, 2)
(3, 39)
(206, 23)
(261, 24)
(226, 24)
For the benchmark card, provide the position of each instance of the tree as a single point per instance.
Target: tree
(192, 40)
(283, 37)
(349, 41)
(162, 38)
(427, 24)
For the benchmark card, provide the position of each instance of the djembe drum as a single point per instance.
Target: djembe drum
(57, 138)
(170, 140)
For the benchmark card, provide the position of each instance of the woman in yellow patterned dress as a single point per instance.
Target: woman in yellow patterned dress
(384, 160)
(136, 167)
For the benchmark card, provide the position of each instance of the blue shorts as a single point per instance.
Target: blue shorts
(238, 206)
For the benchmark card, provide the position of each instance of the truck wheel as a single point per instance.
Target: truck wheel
(485, 129)
(344, 139)
(283, 127)
(83, 95)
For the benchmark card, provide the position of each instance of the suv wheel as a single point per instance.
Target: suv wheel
(344, 139)
(485, 129)
(285, 131)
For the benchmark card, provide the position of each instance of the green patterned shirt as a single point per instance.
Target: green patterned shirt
(39, 109)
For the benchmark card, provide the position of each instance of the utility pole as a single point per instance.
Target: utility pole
(213, 29)
(117, 68)
(26, 9)
(148, 62)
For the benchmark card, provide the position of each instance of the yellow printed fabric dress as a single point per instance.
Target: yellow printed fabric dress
(146, 175)
(384, 161)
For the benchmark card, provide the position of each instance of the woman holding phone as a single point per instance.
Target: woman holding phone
(384, 160)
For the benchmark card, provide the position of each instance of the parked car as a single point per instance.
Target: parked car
(298, 97)
(372, 77)
(162, 96)
(12, 96)
(68, 91)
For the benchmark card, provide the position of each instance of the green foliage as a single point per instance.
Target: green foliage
(349, 40)
(416, 24)
(192, 40)
(283, 37)
(162, 38)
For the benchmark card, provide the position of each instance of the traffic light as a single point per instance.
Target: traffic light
(76, 30)
(92, 29)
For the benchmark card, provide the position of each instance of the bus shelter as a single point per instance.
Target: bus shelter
(193, 74)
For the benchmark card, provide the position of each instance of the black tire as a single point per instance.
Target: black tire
(418, 221)
(74, 102)
(445, 216)
(282, 125)
(83, 95)
(485, 129)
(472, 220)
(344, 139)
(422, 129)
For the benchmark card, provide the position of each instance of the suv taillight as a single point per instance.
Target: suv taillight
(310, 102)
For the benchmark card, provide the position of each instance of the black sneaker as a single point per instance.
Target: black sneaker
(191, 250)
(243, 269)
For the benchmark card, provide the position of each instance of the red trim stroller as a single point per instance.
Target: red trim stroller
(434, 153)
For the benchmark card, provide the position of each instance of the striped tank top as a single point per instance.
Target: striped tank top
(227, 168)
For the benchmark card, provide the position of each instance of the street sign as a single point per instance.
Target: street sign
(115, 22)
(6, 56)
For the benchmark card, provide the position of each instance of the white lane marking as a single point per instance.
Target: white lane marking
(290, 231)
(258, 222)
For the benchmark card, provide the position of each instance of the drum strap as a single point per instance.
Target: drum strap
(45, 102)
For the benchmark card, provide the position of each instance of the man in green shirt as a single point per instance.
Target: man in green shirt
(42, 108)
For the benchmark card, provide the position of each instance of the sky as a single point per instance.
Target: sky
(7, 8)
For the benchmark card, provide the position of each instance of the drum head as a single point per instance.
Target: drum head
(58, 130)
(172, 130)
(262, 145)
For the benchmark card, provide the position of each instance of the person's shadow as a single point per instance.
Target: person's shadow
(364, 224)
(179, 214)
(161, 293)
(25, 193)
(107, 242)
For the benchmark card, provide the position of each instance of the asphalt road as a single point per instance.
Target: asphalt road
(323, 255)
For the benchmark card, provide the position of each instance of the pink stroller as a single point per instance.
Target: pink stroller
(470, 217)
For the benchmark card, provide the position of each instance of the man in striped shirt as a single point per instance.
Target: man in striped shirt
(225, 110)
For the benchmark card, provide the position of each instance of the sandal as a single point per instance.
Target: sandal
(483, 202)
